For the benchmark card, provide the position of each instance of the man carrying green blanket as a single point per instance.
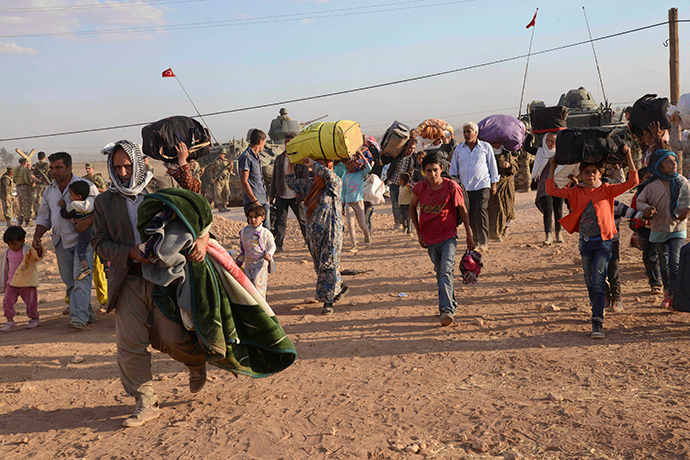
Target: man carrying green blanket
(214, 300)
(138, 321)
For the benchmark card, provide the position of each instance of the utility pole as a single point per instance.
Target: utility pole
(674, 67)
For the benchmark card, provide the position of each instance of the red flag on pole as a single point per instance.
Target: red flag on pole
(531, 24)
(169, 72)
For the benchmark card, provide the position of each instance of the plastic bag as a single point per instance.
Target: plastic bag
(374, 189)
(682, 110)
(505, 129)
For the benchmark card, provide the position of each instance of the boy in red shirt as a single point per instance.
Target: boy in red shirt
(439, 200)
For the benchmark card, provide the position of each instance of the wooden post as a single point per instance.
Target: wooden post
(674, 67)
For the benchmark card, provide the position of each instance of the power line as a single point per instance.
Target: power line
(355, 90)
(93, 6)
(379, 8)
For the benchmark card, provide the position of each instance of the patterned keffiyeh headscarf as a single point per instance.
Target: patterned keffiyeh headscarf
(140, 175)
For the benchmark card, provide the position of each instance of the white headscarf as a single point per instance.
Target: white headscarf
(544, 154)
(140, 175)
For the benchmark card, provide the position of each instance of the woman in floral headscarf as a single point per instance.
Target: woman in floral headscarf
(324, 227)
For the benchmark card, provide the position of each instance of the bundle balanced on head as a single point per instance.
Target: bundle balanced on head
(592, 216)
(323, 205)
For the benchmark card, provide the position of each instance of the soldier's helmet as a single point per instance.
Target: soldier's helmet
(10, 168)
(223, 151)
(283, 111)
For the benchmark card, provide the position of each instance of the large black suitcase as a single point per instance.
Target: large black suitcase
(646, 110)
(549, 119)
(591, 145)
(159, 138)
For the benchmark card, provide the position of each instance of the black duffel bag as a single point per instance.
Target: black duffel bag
(616, 139)
(646, 110)
(581, 144)
(591, 145)
(549, 119)
(159, 138)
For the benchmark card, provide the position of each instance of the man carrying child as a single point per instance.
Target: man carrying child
(440, 201)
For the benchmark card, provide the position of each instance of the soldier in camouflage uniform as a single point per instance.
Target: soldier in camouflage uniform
(95, 178)
(6, 186)
(22, 179)
(221, 170)
(41, 173)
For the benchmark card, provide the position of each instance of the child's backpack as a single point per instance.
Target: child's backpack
(394, 139)
(161, 137)
(471, 266)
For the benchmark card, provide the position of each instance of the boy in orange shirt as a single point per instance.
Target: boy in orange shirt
(592, 216)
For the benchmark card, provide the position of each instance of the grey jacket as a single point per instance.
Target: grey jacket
(112, 237)
(278, 177)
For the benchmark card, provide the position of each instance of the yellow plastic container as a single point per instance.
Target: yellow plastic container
(337, 140)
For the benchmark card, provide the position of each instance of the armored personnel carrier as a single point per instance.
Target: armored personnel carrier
(584, 111)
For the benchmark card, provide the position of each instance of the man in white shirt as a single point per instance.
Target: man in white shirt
(64, 235)
(474, 164)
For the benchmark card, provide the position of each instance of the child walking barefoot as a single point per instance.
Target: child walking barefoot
(592, 216)
(19, 277)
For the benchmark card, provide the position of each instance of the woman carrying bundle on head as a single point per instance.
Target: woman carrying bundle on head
(323, 203)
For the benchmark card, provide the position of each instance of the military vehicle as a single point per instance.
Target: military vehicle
(584, 111)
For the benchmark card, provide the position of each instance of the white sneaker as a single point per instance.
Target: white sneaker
(9, 325)
(33, 323)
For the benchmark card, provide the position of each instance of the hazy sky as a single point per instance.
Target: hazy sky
(256, 52)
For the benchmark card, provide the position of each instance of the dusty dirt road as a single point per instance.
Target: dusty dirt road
(380, 379)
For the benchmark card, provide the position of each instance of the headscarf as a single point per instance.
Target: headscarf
(654, 167)
(544, 154)
(318, 186)
(140, 175)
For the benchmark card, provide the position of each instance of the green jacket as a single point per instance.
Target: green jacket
(96, 180)
(6, 185)
(22, 176)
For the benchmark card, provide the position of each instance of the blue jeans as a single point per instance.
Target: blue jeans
(79, 292)
(443, 257)
(595, 263)
(395, 193)
(669, 258)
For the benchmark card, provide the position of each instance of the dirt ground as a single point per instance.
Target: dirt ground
(381, 379)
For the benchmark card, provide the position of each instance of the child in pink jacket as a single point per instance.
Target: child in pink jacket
(19, 277)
